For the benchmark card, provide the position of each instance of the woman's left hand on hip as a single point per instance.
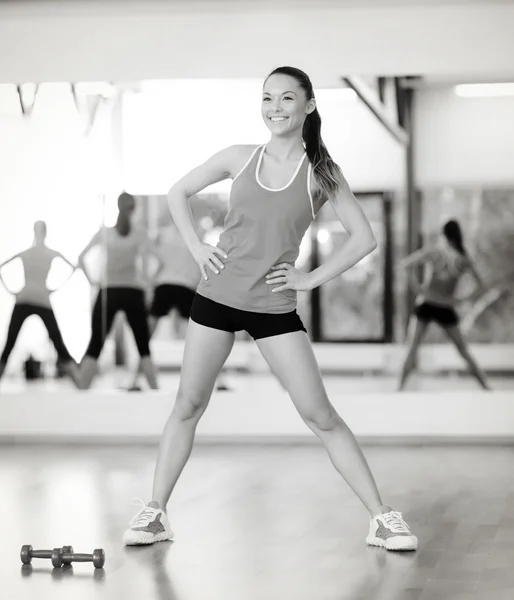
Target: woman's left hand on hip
(288, 277)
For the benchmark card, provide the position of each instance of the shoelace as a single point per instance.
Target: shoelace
(144, 516)
(394, 520)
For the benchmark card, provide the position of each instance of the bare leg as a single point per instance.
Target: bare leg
(87, 372)
(179, 325)
(205, 352)
(416, 333)
(291, 357)
(457, 338)
(149, 371)
(72, 370)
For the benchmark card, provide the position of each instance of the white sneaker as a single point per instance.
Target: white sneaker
(150, 525)
(390, 531)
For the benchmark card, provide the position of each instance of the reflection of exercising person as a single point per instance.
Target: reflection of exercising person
(445, 263)
(175, 280)
(121, 289)
(34, 298)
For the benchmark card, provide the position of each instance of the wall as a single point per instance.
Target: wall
(56, 41)
(463, 141)
(169, 131)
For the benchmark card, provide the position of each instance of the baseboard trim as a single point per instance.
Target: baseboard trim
(261, 440)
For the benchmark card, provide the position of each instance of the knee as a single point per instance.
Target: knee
(325, 419)
(189, 406)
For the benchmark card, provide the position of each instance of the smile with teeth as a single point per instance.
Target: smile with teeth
(278, 119)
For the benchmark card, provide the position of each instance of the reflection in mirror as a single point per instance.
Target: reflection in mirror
(75, 147)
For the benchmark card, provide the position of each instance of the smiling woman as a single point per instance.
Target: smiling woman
(250, 282)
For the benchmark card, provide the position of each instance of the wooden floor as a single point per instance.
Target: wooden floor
(260, 523)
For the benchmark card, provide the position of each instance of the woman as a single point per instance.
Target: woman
(444, 263)
(249, 282)
(34, 299)
(121, 289)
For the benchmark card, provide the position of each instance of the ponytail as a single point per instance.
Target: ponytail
(123, 222)
(453, 234)
(327, 173)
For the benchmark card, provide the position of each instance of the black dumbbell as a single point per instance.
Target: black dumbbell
(27, 553)
(60, 558)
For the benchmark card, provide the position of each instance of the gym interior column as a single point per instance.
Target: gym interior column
(413, 204)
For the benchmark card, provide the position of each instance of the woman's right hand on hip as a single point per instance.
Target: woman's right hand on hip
(207, 258)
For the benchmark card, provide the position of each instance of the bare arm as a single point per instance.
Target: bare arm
(481, 287)
(360, 243)
(419, 257)
(11, 259)
(476, 275)
(5, 285)
(68, 262)
(19, 255)
(219, 167)
(95, 240)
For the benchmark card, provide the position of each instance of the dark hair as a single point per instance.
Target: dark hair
(123, 224)
(326, 171)
(453, 233)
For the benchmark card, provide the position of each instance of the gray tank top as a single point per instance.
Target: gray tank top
(443, 277)
(120, 258)
(263, 227)
(37, 262)
(179, 266)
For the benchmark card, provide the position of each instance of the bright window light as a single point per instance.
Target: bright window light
(484, 90)
(323, 236)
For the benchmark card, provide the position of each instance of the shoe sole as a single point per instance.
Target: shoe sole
(392, 544)
(160, 537)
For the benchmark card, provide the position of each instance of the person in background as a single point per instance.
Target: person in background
(175, 281)
(122, 286)
(34, 299)
(445, 262)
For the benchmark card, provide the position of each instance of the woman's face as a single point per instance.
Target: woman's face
(284, 105)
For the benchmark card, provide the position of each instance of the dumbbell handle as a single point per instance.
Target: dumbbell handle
(41, 554)
(77, 557)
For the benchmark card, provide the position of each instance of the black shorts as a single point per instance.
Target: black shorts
(442, 315)
(259, 325)
(166, 297)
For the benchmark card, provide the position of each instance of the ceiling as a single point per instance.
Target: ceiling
(444, 41)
